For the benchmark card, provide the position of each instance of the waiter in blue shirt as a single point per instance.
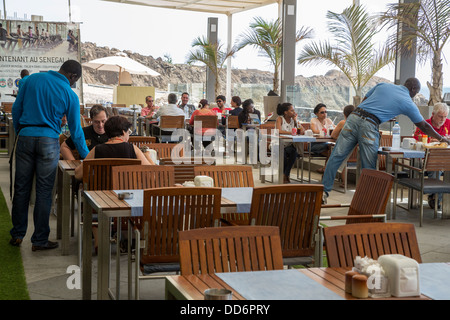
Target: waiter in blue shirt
(41, 103)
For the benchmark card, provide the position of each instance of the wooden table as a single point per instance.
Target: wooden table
(192, 287)
(65, 202)
(107, 205)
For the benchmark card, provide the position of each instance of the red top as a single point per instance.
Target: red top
(443, 130)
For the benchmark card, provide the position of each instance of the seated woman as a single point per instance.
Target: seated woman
(285, 122)
(203, 110)
(118, 130)
(248, 114)
(321, 124)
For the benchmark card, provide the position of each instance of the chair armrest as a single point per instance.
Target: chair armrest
(407, 166)
(356, 216)
(339, 205)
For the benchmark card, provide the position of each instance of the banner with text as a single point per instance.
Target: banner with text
(36, 46)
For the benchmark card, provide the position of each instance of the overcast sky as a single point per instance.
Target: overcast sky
(156, 32)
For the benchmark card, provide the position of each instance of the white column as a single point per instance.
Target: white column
(229, 46)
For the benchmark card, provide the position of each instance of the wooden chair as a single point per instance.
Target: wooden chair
(370, 199)
(227, 176)
(169, 124)
(97, 176)
(435, 160)
(141, 140)
(232, 122)
(184, 170)
(295, 209)
(230, 249)
(167, 211)
(346, 242)
(141, 177)
(7, 107)
(137, 177)
(208, 122)
(164, 150)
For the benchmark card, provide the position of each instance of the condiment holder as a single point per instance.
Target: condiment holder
(367, 279)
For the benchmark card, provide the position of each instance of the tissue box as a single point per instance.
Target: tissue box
(203, 181)
(403, 274)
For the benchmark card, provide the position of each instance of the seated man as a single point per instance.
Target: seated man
(170, 109)
(441, 125)
(94, 134)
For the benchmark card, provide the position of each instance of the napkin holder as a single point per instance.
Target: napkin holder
(403, 274)
(203, 181)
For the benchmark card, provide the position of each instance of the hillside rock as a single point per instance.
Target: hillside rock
(332, 89)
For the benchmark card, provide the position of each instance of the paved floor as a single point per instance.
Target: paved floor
(48, 276)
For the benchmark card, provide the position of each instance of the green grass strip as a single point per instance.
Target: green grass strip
(13, 285)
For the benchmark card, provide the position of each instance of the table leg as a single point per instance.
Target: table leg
(59, 184)
(65, 214)
(103, 256)
(87, 251)
(280, 160)
(446, 199)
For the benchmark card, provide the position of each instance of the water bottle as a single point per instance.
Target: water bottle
(396, 136)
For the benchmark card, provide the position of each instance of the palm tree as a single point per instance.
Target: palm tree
(354, 54)
(426, 29)
(210, 54)
(267, 36)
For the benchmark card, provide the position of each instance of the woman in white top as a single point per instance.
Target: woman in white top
(319, 125)
(285, 122)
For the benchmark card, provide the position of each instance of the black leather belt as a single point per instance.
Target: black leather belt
(367, 116)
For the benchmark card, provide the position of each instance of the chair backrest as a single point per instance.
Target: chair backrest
(164, 150)
(97, 172)
(119, 105)
(172, 122)
(167, 211)
(140, 140)
(385, 141)
(232, 122)
(207, 121)
(371, 195)
(436, 159)
(230, 249)
(295, 209)
(226, 176)
(142, 177)
(7, 107)
(184, 171)
(346, 242)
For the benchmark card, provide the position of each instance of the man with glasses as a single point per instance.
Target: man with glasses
(382, 103)
(188, 109)
(37, 112)
(150, 109)
(93, 134)
(221, 108)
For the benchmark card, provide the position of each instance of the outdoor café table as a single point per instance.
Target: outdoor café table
(285, 139)
(398, 154)
(107, 205)
(65, 205)
(291, 284)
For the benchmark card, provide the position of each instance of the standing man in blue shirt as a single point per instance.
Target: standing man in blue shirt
(37, 112)
(383, 102)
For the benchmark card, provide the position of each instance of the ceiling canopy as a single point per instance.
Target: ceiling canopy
(212, 6)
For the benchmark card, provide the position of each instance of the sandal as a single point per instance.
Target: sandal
(321, 170)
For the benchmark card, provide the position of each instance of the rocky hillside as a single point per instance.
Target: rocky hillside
(331, 89)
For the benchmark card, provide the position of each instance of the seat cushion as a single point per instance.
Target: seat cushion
(160, 267)
(430, 185)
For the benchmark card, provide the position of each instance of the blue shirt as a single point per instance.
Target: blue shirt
(387, 100)
(42, 102)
